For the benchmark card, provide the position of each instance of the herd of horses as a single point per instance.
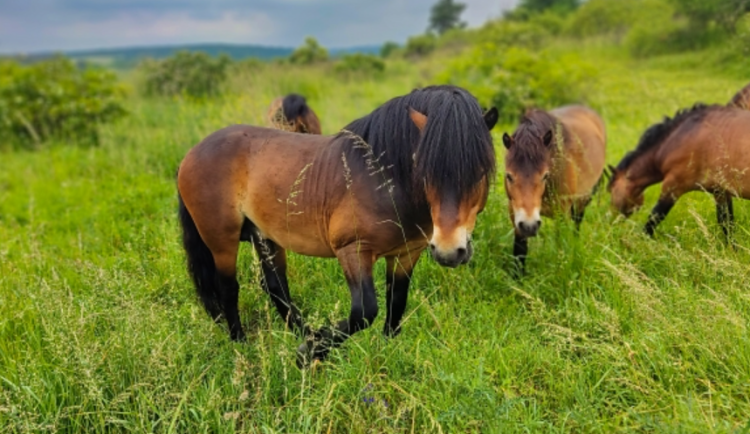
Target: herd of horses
(413, 175)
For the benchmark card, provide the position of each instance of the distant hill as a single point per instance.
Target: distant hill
(128, 57)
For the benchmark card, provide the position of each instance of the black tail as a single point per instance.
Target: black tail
(294, 105)
(200, 263)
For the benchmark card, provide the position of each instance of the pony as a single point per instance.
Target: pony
(412, 175)
(706, 147)
(741, 99)
(553, 164)
(291, 113)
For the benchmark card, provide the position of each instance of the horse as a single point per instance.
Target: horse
(414, 173)
(554, 163)
(291, 113)
(706, 147)
(741, 99)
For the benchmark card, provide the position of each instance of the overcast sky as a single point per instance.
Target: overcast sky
(42, 25)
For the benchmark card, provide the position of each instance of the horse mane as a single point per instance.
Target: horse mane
(528, 150)
(454, 152)
(294, 105)
(741, 99)
(657, 133)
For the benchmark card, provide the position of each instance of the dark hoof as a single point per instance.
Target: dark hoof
(308, 354)
(391, 332)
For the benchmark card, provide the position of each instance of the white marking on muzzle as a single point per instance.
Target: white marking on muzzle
(459, 240)
(522, 217)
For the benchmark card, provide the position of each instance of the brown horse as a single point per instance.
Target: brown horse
(291, 113)
(554, 162)
(413, 173)
(702, 148)
(741, 99)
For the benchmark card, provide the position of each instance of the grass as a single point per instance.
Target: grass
(100, 330)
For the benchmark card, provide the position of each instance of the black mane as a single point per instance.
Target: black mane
(454, 152)
(658, 133)
(529, 151)
(294, 105)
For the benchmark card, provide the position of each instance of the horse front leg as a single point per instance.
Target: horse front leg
(357, 264)
(398, 277)
(725, 213)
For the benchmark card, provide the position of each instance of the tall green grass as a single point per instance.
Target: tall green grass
(100, 330)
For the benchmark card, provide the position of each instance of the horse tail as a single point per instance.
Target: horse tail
(200, 263)
(294, 106)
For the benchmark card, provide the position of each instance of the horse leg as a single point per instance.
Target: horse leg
(398, 276)
(725, 213)
(212, 262)
(520, 250)
(577, 210)
(660, 211)
(357, 265)
(274, 282)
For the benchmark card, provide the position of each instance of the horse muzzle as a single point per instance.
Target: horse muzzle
(454, 257)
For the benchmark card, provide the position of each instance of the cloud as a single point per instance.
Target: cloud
(40, 25)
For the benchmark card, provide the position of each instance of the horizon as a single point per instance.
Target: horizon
(86, 25)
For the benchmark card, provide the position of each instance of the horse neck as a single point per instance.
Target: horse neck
(644, 170)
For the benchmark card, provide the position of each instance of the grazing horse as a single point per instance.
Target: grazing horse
(741, 99)
(412, 174)
(554, 163)
(292, 113)
(702, 148)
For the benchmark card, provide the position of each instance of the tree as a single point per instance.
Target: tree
(310, 52)
(446, 15)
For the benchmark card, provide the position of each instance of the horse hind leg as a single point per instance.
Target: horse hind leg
(212, 263)
(577, 210)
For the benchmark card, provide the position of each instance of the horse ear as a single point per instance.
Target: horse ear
(507, 141)
(548, 138)
(490, 118)
(419, 119)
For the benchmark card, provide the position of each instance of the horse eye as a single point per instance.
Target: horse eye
(509, 178)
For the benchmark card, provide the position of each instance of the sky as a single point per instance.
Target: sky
(28, 26)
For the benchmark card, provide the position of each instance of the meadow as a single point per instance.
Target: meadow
(610, 331)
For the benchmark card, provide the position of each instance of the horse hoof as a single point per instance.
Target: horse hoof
(304, 356)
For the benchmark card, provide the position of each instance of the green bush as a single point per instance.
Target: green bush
(604, 17)
(388, 49)
(514, 79)
(359, 63)
(505, 33)
(420, 45)
(310, 52)
(186, 73)
(54, 99)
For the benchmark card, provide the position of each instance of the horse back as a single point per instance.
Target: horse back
(584, 147)
(711, 153)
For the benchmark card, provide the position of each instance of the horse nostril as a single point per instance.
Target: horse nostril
(461, 252)
(432, 247)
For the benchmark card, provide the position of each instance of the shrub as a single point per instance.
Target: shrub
(604, 17)
(504, 33)
(420, 45)
(54, 99)
(310, 52)
(186, 73)
(388, 49)
(359, 63)
(515, 79)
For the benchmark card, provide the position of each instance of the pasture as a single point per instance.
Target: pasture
(610, 331)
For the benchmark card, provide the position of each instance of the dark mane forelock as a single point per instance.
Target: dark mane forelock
(658, 133)
(454, 151)
(528, 151)
(293, 106)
